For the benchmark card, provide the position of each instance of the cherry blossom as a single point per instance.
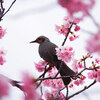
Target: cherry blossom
(2, 57)
(65, 28)
(97, 60)
(93, 44)
(2, 32)
(4, 87)
(94, 74)
(29, 88)
(76, 65)
(80, 81)
(77, 82)
(53, 94)
(65, 53)
(72, 38)
(75, 6)
(40, 66)
(77, 28)
(56, 83)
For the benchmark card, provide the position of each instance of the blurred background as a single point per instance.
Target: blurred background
(27, 20)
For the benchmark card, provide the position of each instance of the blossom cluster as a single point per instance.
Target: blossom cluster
(93, 44)
(56, 83)
(75, 6)
(2, 57)
(76, 65)
(29, 87)
(65, 53)
(40, 66)
(94, 74)
(65, 28)
(2, 32)
(4, 87)
(51, 95)
(77, 82)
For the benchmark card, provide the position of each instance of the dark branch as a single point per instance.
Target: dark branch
(69, 30)
(16, 84)
(85, 88)
(4, 13)
(47, 78)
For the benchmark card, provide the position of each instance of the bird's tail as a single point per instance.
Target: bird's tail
(65, 71)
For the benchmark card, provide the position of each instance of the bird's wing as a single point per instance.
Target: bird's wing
(51, 53)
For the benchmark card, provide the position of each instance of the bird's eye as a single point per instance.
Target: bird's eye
(40, 40)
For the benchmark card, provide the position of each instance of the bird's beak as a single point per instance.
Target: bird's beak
(33, 41)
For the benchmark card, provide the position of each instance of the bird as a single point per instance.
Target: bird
(47, 52)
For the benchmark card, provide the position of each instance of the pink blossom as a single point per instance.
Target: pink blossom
(74, 20)
(90, 75)
(40, 66)
(4, 87)
(80, 81)
(93, 44)
(2, 57)
(71, 85)
(75, 6)
(2, 32)
(65, 53)
(29, 88)
(2, 60)
(72, 38)
(64, 29)
(77, 28)
(94, 75)
(53, 94)
(76, 65)
(55, 83)
(97, 60)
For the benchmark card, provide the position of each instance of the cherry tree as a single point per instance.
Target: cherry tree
(50, 78)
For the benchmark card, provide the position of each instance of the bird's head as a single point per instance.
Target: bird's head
(40, 39)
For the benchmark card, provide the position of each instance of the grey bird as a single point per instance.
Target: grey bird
(48, 53)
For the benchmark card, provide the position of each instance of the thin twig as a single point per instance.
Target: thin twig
(43, 75)
(67, 34)
(51, 78)
(2, 9)
(46, 70)
(8, 8)
(41, 91)
(62, 89)
(16, 84)
(85, 88)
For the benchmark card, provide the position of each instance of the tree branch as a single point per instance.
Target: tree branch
(85, 88)
(67, 34)
(4, 13)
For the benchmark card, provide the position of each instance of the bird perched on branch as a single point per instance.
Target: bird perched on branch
(48, 53)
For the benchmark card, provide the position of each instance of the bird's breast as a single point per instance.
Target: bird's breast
(45, 51)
